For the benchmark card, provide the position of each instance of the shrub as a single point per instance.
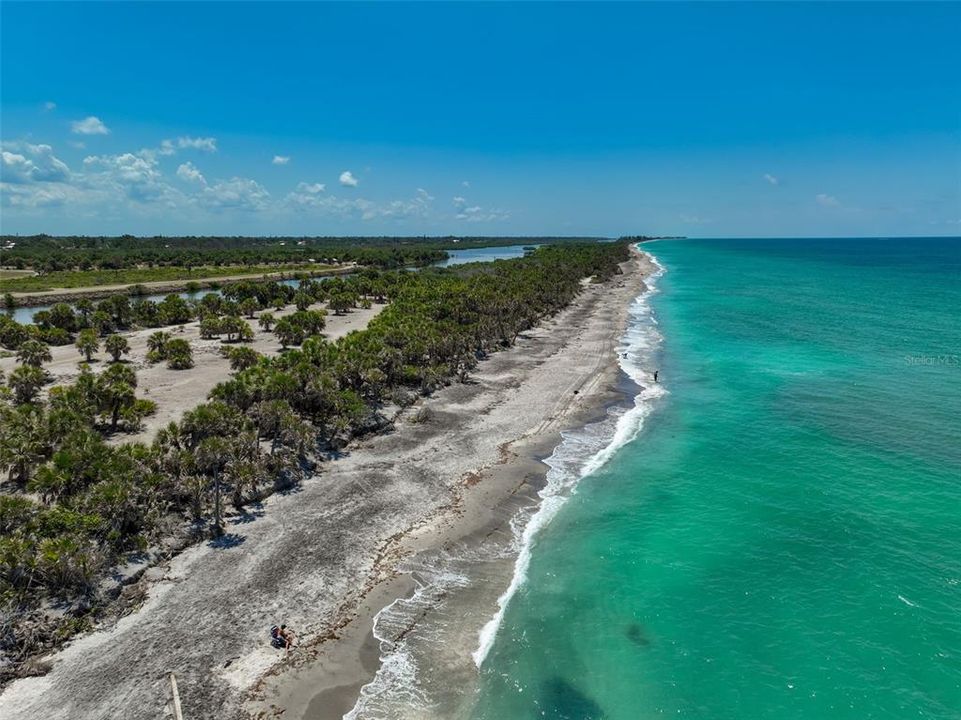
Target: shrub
(179, 355)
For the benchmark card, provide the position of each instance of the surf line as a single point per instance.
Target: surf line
(582, 453)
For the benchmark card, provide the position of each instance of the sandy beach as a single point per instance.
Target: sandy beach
(325, 557)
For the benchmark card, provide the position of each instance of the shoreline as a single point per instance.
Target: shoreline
(330, 687)
(328, 556)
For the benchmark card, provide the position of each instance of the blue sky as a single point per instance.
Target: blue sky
(698, 119)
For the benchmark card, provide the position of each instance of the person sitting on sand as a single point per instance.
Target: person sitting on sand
(281, 637)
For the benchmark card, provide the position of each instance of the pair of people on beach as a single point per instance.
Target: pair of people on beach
(281, 637)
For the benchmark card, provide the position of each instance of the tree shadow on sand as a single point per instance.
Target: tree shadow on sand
(249, 515)
(227, 541)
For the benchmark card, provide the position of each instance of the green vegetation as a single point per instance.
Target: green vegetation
(178, 354)
(55, 279)
(74, 506)
(116, 346)
(87, 343)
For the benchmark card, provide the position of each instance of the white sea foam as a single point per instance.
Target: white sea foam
(583, 452)
(398, 689)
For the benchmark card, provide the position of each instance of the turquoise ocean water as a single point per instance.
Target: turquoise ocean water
(782, 538)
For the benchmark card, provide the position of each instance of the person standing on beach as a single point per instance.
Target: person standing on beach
(655, 375)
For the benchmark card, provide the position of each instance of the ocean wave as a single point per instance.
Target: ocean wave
(398, 689)
(583, 452)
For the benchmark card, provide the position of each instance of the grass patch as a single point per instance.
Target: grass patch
(7, 274)
(70, 279)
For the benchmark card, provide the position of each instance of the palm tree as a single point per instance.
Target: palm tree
(26, 381)
(242, 358)
(87, 343)
(23, 443)
(116, 345)
(179, 355)
(266, 320)
(85, 308)
(34, 352)
(157, 346)
(248, 306)
(288, 333)
(211, 457)
(115, 388)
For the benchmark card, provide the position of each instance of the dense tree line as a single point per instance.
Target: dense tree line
(75, 505)
(47, 254)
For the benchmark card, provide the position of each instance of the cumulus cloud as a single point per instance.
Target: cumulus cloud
(135, 176)
(826, 200)
(466, 183)
(89, 126)
(49, 105)
(37, 196)
(206, 144)
(280, 159)
(236, 194)
(189, 173)
(347, 179)
(771, 179)
(32, 164)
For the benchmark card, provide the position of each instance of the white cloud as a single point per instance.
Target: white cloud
(189, 173)
(280, 159)
(79, 144)
(826, 200)
(135, 176)
(206, 144)
(476, 213)
(36, 196)
(347, 179)
(466, 183)
(693, 219)
(309, 198)
(31, 176)
(48, 106)
(89, 126)
(306, 195)
(237, 194)
(32, 164)
(771, 179)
